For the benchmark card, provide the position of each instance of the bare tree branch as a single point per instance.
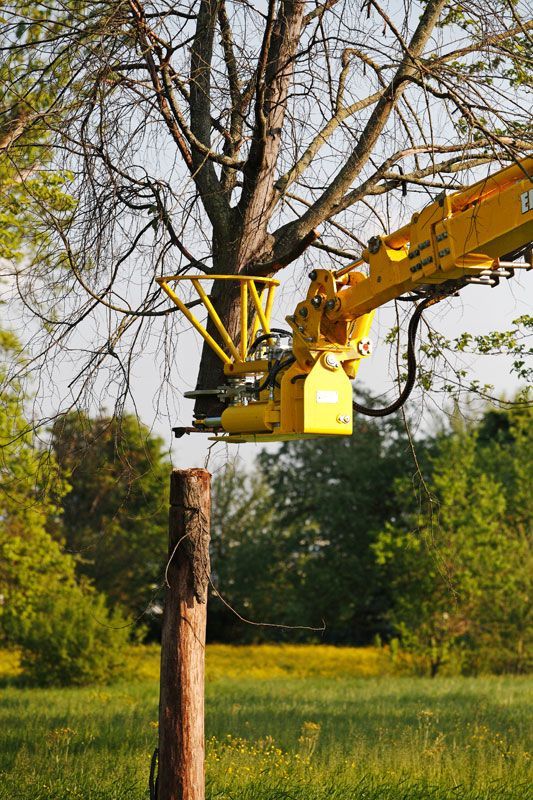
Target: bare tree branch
(331, 199)
(200, 109)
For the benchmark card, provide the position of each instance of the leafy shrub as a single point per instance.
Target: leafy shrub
(73, 639)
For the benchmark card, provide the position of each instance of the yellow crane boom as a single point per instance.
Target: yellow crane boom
(303, 389)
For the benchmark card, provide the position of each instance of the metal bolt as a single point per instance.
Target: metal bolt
(364, 347)
(343, 419)
(331, 361)
(303, 311)
(313, 275)
(330, 305)
(316, 302)
(374, 244)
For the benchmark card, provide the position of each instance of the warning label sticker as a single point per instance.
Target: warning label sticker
(327, 397)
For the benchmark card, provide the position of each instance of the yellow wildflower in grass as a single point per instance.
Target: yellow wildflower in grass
(60, 735)
(246, 760)
(100, 696)
(9, 664)
(308, 739)
(373, 731)
(266, 662)
(58, 742)
(260, 662)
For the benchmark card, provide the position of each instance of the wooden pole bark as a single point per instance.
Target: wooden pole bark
(181, 704)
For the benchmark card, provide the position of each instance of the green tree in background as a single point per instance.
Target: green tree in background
(293, 545)
(115, 513)
(505, 447)
(253, 565)
(31, 561)
(352, 532)
(459, 568)
(62, 626)
(336, 495)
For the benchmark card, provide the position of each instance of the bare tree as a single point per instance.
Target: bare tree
(229, 137)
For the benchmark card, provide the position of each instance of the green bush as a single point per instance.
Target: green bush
(73, 639)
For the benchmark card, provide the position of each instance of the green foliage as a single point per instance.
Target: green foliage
(459, 568)
(255, 564)
(31, 562)
(293, 545)
(349, 532)
(61, 626)
(509, 62)
(72, 639)
(514, 344)
(115, 513)
(24, 203)
(30, 192)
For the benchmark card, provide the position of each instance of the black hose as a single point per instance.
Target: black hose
(275, 369)
(410, 298)
(411, 368)
(265, 336)
(266, 382)
(287, 363)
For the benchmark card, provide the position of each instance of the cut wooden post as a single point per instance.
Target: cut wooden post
(181, 700)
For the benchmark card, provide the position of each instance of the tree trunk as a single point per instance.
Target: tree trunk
(181, 703)
(226, 299)
(225, 296)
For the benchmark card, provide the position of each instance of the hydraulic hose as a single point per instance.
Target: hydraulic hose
(265, 336)
(411, 368)
(272, 375)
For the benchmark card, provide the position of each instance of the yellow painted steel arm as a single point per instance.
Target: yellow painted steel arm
(247, 287)
(454, 237)
(224, 335)
(194, 322)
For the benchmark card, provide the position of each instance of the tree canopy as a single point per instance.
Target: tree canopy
(115, 512)
(352, 533)
(60, 623)
(227, 137)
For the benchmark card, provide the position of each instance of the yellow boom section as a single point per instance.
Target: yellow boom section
(457, 236)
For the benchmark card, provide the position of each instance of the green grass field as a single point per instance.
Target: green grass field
(279, 725)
